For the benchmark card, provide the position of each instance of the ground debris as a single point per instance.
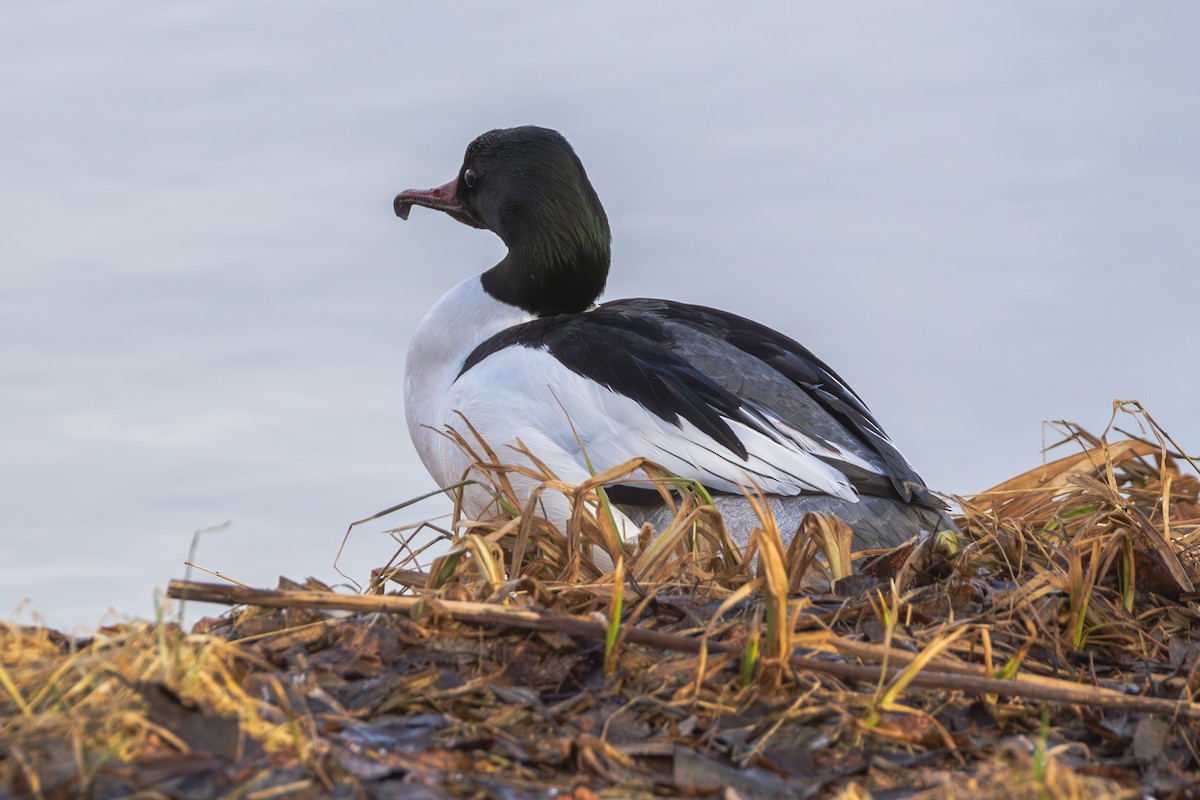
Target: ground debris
(1049, 649)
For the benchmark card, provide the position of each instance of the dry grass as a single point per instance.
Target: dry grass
(1050, 649)
(138, 693)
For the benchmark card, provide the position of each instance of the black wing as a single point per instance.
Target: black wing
(800, 367)
(708, 367)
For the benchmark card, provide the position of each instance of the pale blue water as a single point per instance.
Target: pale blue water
(983, 217)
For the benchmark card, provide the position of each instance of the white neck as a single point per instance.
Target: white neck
(459, 322)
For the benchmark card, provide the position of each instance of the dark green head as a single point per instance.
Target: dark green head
(528, 187)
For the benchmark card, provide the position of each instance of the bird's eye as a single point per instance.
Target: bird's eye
(469, 177)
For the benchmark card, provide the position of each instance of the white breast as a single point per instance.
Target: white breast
(458, 323)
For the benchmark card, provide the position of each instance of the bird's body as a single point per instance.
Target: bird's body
(521, 354)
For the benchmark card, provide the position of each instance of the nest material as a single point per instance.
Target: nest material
(1049, 649)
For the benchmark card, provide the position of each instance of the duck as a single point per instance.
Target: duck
(525, 358)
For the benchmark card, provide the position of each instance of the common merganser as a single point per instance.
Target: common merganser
(522, 352)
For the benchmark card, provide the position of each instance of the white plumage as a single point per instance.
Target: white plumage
(525, 394)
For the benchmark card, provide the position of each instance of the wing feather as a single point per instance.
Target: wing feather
(620, 377)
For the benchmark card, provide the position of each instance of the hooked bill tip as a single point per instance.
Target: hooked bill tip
(402, 207)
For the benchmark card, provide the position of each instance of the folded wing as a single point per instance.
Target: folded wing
(709, 395)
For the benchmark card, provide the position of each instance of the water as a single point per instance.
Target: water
(983, 217)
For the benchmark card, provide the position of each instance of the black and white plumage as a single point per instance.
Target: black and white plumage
(522, 353)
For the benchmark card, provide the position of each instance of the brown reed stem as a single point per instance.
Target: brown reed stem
(1045, 689)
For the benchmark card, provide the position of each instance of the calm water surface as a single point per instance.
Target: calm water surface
(983, 217)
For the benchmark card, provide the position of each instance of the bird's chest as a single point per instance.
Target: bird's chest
(464, 318)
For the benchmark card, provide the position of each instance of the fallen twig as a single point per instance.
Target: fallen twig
(1045, 689)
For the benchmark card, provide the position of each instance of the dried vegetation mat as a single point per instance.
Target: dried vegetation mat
(1049, 649)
